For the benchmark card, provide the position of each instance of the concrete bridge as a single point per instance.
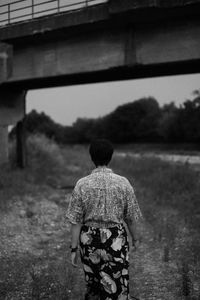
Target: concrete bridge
(114, 40)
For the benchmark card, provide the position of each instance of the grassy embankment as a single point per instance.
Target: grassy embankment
(34, 249)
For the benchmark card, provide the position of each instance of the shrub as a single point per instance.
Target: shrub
(44, 158)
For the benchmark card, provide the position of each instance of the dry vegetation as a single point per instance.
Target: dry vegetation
(34, 248)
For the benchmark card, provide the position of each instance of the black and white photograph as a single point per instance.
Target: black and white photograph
(100, 149)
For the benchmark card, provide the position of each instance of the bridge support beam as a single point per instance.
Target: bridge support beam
(12, 112)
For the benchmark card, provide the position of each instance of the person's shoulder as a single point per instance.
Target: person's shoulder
(82, 181)
(121, 179)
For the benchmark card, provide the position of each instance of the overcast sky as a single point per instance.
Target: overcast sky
(66, 104)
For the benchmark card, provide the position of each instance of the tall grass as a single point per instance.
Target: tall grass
(45, 166)
(169, 196)
(164, 183)
(45, 160)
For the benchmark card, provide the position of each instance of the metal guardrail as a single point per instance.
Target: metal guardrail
(21, 10)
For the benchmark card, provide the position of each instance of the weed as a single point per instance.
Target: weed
(166, 253)
(186, 281)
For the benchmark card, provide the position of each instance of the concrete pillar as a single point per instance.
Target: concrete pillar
(6, 58)
(12, 110)
(3, 144)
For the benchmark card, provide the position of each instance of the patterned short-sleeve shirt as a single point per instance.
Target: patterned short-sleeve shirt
(103, 197)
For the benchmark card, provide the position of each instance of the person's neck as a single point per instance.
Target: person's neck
(102, 166)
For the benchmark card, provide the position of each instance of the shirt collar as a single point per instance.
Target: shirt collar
(103, 169)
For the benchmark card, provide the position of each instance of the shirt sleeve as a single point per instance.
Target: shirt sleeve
(132, 209)
(75, 209)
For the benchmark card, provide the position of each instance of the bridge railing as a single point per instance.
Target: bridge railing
(12, 11)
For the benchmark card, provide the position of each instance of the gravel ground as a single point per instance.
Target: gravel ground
(34, 254)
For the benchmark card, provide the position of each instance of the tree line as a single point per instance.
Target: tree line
(140, 121)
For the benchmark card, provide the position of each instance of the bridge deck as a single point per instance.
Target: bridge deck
(109, 41)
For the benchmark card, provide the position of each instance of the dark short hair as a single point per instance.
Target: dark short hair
(101, 151)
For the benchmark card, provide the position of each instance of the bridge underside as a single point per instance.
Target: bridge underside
(95, 45)
(114, 54)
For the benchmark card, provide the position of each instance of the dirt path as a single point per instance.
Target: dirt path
(34, 247)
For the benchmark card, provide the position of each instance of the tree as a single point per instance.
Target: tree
(134, 122)
(168, 128)
(189, 119)
(139, 121)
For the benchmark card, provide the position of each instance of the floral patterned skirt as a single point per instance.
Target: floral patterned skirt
(105, 258)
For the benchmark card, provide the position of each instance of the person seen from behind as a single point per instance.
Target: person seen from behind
(100, 204)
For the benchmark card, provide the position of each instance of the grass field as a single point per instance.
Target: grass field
(34, 248)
